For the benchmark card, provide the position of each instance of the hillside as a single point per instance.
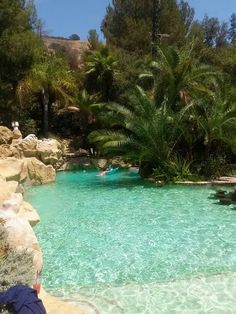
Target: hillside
(74, 49)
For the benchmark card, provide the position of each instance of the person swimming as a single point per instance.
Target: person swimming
(108, 170)
(104, 172)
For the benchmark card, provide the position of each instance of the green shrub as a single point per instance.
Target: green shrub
(175, 169)
(16, 267)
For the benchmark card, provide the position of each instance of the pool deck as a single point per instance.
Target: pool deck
(219, 181)
(57, 306)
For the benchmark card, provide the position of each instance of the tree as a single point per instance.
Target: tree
(74, 37)
(100, 71)
(232, 31)
(216, 119)
(222, 36)
(18, 42)
(155, 24)
(177, 76)
(19, 47)
(128, 24)
(93, 39)
(211, 27)
(142, 132)
(187, 15)
(50, 80)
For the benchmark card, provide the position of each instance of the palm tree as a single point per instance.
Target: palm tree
(216, 119)
(50, 79)
(155, 23)
(100, 71)
(178, 77)
(140, 131)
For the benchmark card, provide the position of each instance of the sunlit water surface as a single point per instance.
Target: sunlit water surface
(117, 244)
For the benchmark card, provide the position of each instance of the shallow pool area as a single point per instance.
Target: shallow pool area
(117, 244)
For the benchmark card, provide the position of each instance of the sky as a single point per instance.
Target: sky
(66, 17)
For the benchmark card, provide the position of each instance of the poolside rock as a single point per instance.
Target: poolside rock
(21, 236)
(102, 163)
(6, 151)
(6, 189)
(77, 163)
(6, 135)
(14, 169)
(27, 212)
(17, 136)
(13, 203)
(27, 146)
(39, 173)
(49, 151)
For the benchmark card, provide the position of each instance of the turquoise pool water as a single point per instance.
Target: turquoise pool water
(116, 244)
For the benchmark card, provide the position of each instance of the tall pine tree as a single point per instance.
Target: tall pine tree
(232, 31)
(130, 24)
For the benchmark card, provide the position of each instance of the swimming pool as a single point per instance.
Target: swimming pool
(122, 245)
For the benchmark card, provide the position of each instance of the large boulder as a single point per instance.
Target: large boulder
(39, 173)
(29, 213)
(6, 151)
(49, 151)
(27, 146)
(21, 236)
(13, 203)
(6, 189)
(5, 135)
(17, 137)
(13, 169)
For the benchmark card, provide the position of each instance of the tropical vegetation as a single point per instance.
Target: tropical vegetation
(160, 92)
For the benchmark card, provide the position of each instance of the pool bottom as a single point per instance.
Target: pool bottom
(213, 294)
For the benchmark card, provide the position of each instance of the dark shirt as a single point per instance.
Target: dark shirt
(24, 300)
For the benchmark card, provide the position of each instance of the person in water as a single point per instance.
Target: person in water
(104, 172)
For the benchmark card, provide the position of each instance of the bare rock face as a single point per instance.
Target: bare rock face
(13, 169)
(49, 151)
(39, 173)
(6, 135)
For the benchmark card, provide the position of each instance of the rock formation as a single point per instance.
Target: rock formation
(28, 159)
(24, 160)
(18, 217)
(6, 135)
